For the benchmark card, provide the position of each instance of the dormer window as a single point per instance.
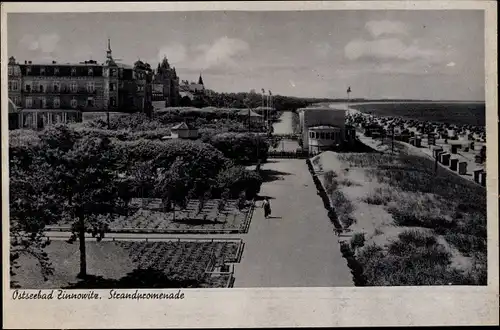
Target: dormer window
(73, 71)
(28, 70)
(42, 71)
(91, 72)
(56, 70)
(113, 72)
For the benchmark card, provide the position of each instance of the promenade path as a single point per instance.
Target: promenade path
(296, 247)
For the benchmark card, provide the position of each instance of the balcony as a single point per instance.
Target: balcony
(66, 91)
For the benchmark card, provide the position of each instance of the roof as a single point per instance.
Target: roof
(324, 127)
(182, 126)
(252, 113)
(322, 108)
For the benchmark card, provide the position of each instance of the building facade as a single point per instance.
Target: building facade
(324, 129)
(192, 89)
(166, 84)
(79, 87)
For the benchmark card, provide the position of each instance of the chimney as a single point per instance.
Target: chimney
(54, 62)
(29, 62)
(25, 62)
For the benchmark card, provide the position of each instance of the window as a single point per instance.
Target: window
(56, 118)
(90, 102)
(322, 135)
(57, 102)
(90, 86)
(112, 102)
(56, 87)
(120, 73)
(41, 88)
(73, 71)
(112, 87)
(10, 85)
(73, 87)
(74, 103)
(91, 72)
(17, 100)
(42, 71)
(11, 70)
(56, 70)
(15, 85)
(43, 102)
(28, 70)
(27, 87)
(113, 73)
(29, 102)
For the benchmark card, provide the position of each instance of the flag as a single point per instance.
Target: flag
(349, 89)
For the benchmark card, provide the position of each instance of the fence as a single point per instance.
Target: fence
(288, 154)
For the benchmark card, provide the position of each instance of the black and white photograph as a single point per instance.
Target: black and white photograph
(246, 149)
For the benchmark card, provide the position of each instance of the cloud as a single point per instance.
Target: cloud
(223, 51)
(379, 28)
(29, 42)
(451, 64)
(390, 49)
(323, 49)
(45, 43)
(48, 42)
(176, 53)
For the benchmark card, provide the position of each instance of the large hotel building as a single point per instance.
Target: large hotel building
(43, 94)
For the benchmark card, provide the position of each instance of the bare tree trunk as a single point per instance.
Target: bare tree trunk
(83, 255)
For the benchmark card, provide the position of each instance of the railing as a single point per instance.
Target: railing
(291, 136)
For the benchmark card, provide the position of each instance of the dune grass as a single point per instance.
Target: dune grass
(426, 206)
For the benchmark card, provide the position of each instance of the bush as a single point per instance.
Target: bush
(241, 147)
(466, 243)
(415, 259)
(237, 179)
(379, 197)
(343, 207)
(330, 182)
(358, 241)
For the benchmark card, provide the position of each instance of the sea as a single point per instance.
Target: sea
(458, 113)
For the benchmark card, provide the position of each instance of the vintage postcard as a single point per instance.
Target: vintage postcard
(249, 164)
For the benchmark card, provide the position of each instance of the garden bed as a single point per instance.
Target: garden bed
(182, 260)
(149, 217)
(407, 226)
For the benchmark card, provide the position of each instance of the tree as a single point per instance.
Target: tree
(85, 174)
(172, 188)
(185, 102)
(33, 204)
(236, 180)
(241, 147)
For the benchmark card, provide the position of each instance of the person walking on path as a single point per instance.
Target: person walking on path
(267, 207)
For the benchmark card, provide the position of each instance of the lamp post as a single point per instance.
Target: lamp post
(348, 96)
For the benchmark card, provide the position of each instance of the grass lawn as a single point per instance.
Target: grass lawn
(409, 226)
(183, 260)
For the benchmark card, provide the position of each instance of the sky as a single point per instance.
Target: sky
(431, 55)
